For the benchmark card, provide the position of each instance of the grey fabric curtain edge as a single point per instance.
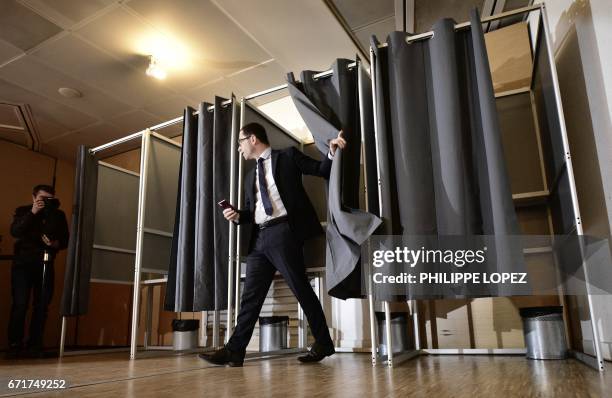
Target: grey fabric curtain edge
(75, 295)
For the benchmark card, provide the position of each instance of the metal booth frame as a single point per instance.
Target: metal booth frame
(390, 360)
(233, 260)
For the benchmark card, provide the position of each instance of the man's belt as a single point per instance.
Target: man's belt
(274, 221)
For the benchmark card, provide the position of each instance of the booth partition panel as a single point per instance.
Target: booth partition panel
(114, 246)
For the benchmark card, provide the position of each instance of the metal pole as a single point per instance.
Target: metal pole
(570, 173)
(302, 329)
(415, 325)
(330, 72)
(144, 161)
(463, 25)
(266, 92)
(388, 334)
(371, 309)
(243, 105)
(232, 232)
(203, 339)
(138, 134)
(380, 201)
(148, 317)
(216, 324)
(179, 119)
(62, 338)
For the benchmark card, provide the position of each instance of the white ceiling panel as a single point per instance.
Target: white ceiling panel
(8, 51)
(170, 107)
(83, 61)
(134, 121)
(259, 78)
(213, 45)
(381, 29)
(22, 27)
(44, 108)
(66, 13)
(93, 135)
(26, 72)
(208, 48)
(305, 35)
(222, 88)
(360, 13)
(132, 40)
(46, 128)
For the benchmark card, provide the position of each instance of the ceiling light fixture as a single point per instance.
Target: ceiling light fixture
(69, 92)
(154, 69)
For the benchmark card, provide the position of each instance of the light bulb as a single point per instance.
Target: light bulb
(154, 70)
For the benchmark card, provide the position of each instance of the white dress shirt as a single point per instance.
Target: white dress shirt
(278, 209)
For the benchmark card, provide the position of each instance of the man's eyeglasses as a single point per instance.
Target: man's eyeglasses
(244, 138)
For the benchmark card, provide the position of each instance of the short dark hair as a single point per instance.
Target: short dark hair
(257, 130)
(43, 187)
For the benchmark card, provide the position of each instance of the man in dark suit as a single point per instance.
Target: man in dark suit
(283, 217)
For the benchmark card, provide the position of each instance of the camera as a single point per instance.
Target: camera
(51, 204)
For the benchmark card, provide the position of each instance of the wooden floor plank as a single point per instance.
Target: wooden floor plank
(343, 375)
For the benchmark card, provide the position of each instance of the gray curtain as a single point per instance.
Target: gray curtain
(197, 277)
(204, 260)
(221, 190)
(328, 105)
(75, 296)
(442, 166)
(179, 289)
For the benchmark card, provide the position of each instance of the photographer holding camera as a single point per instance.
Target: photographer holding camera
(41, 231)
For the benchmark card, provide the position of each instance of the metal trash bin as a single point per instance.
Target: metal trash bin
(544, 332)
(399, 332)
(273, 333)
(185, 334)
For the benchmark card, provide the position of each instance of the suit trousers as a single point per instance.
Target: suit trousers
(276, 249)
(27, 280)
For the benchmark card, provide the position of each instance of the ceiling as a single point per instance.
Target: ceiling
(209, 47)
(101, 48)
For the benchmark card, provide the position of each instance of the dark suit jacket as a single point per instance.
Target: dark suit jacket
(28, 229)
(288, 165)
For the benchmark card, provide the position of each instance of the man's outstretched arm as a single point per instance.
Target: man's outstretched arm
(321, 168)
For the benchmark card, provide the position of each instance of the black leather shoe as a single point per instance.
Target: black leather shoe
(317, 353)
(224, 357)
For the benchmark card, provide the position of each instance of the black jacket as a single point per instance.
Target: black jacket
(288, 166)
(28, 228)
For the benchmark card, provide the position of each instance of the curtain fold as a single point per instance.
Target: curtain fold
(204, 259)
(179, 289)
(328, 105)
(347, 229)
(496, 205)
(197, 278)
(75, 296)
(221, 190)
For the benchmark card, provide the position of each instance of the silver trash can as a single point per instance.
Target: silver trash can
(399, 332)
(185, 334)
(273, 333)
(544, 332)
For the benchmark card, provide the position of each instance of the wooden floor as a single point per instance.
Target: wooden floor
(343, 375)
